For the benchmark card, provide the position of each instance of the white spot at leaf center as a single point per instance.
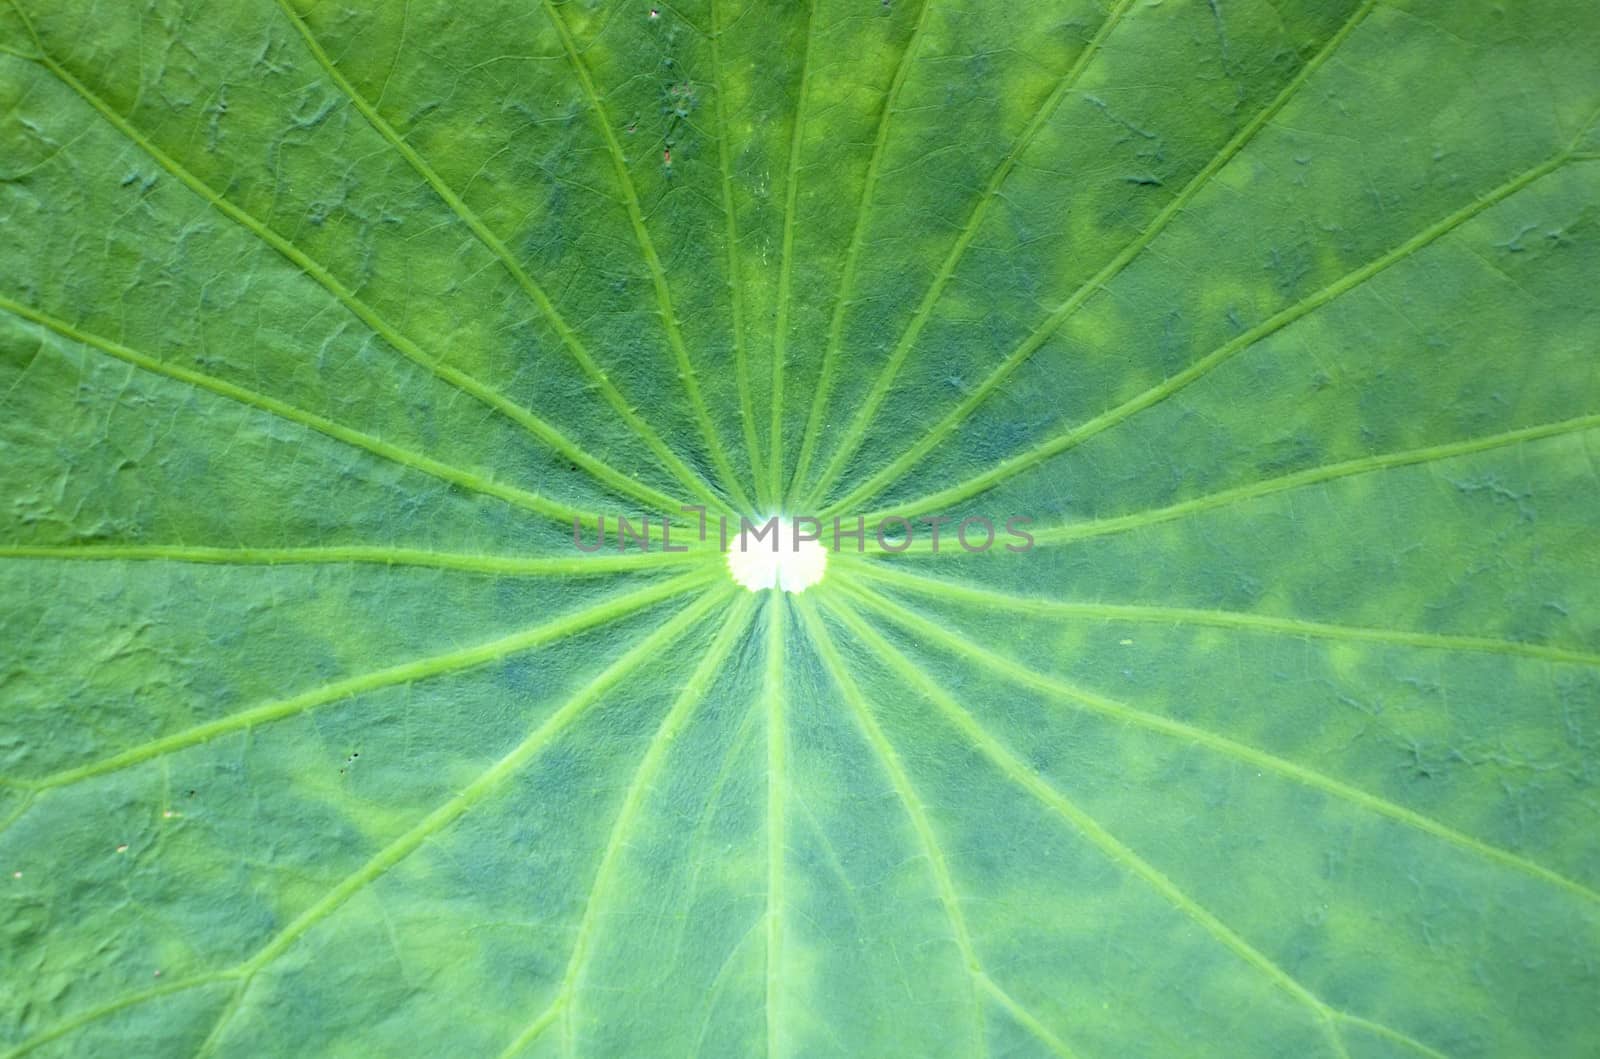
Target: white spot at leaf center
(759, 560)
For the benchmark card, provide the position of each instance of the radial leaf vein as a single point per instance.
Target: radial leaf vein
(486, 783)
(909, 800)
(969, 231)
(1392, 1034)
(1018, 772)
(1202, 367)
(378, 555)
(445, 472)
(1104, 527)
(1179, 616)
(741, 354)
(106, 1010)
(1195, 735)
(852, 256)
(669, 316)
(680, 714)
(791, 198)
(609, 610)
(772, 691)
(1031, 345)
(455, 377)
(486, 236)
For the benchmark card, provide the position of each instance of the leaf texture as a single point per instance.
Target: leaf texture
(321, 323)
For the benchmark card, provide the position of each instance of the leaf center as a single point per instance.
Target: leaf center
(777, 553)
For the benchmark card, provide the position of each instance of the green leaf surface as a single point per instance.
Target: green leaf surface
(320, 322)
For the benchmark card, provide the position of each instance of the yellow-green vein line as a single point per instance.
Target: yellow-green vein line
(1206, 364)
(218, 1025)
(1031, 345)
(714, 989)
(294, 414)
(910, 801)
(1105, 527)
(1027, 1018)
(1120, 853)
(609, 610)
(486, 783)
(542, 1022)
(534, 291)
(852, 256)
(777, 792)
(460, 380)
(681, 712)
(1392, 1034)
(669, 316)
(697, 836)
(868, 410)
(1223, 619)
(1194, 735)
(384, 555)
(84, 1018)
(741, 355)
(791, 199)
(24, 803)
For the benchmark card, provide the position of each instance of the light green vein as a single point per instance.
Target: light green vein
(609, 610)
(24, 803)
(1124, 856)
(106, 1010)
(1105, 527)
(852, 256)
(682, 711)
(772, 691)
(697, 837)
(910, 801)
(868, 409)
(283, 410)
(1205, 365)
(1392, 1034)
(564, 1004)
(510, 565)
(1031, 345)
(741, 355)
(544, 1021)
(669, 316)
(791, 198)
(219, 1025)
(1028, 1019)
(468, 384)
(1201, 737)
(1160, 615)
(718, 980)
(486, 236)
(647, 649)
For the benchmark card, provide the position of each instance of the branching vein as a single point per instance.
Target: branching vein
(462, 381)
(1031, 345)
(947, 268)
(535, 292)
(669, 316)
(1194, 735)
(1202, 367)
